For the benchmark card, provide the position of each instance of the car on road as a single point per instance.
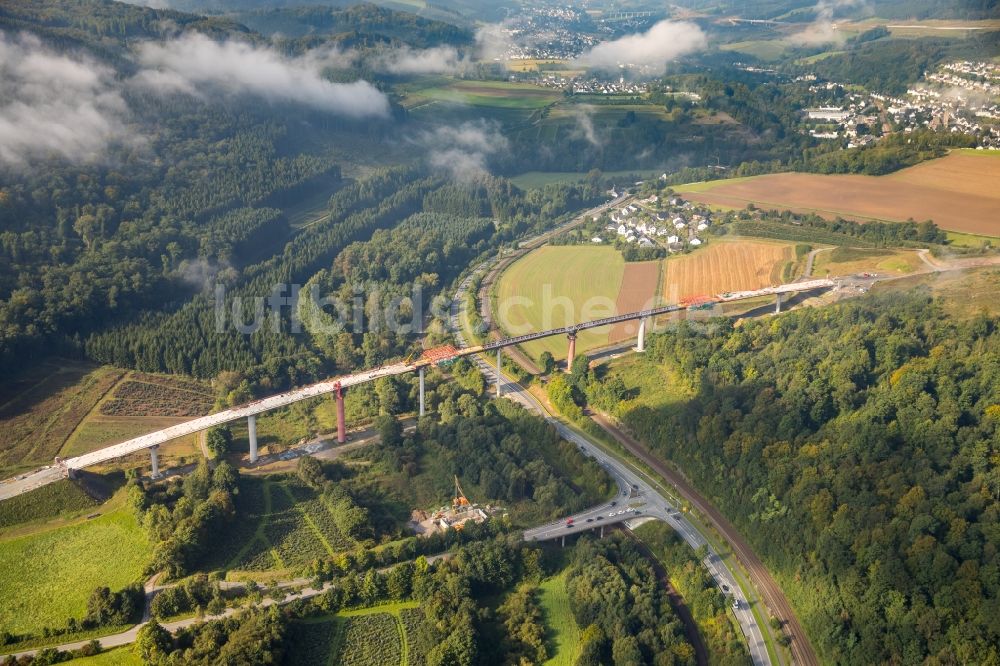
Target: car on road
(612, 514)
(736, 604)
(600, 518)
(590, 520)
(614, 502)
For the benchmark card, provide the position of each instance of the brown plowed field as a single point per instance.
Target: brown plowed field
(958, 192)
(638, 292)
(725, 266)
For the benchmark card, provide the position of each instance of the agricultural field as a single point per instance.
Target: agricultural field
(483, 93)
(957, 192)
(725, 266)
(562, 631)
(556, 286)
(371, 640)
(46, 577)
(958, 29)
(847, 261)
(535, 65)
(768, 50)
(280, 524)
(376, 636)
(39, 411)
(140, 403)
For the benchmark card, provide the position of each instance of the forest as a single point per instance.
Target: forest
(856, 447)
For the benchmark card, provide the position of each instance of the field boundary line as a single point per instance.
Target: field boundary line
(96, 407)
(309, 521)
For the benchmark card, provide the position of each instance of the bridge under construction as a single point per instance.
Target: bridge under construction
(337, 387)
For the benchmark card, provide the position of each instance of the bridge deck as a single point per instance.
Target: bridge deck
(321, 388)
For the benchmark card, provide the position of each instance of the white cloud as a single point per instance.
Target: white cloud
(585, 125)
(664, 41)
(196, 65)
(405, 60)
(823, 30)
(463, 151)
(493, 40)
(56, 105)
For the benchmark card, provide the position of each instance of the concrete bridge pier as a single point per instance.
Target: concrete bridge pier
(571, 352)
(777, 305)
(602, 531)
(499, 365)
(154, 461)
(421, 373)
(641, 346)
(341, 421)
(564, 541)
(252, 436)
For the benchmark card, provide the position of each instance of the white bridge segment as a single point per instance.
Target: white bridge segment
(321, 388)
(243, 411)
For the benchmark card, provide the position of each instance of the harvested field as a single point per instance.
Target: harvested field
(638, 292)
(958, 192)
(725, 266)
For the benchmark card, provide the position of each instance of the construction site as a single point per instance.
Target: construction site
(456, 516)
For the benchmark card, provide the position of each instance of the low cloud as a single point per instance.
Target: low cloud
(464, 151)
(823, 30)
(196, 65)
(493, 40)
(54, 105)
(652, 49)
(406, 60)
(585, 126)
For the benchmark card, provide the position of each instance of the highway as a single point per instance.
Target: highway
(634, 493)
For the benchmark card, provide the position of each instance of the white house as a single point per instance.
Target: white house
(622, 230)
(596, 239)
(679, 225)
(695, 241)
(702, 226)
(673, 239)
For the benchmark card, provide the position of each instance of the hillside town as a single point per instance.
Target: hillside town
(961, 97)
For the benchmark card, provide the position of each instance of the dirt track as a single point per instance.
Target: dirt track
(774, 598)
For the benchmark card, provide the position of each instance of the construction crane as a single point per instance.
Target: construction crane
(460, 500)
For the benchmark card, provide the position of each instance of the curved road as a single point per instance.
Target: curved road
(633, 490)
(774, 598)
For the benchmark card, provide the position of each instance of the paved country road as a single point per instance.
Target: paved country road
(774, 598)
(634, 492)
